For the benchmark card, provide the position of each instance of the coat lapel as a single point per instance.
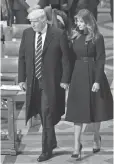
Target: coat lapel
(32, 46)
(48, 39)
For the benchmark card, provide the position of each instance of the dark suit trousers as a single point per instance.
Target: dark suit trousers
(48, 133)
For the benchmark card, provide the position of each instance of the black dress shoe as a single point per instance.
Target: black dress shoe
(96, 150)
(78, 156)
(44, 157)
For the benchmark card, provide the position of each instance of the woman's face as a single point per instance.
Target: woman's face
(81, 24)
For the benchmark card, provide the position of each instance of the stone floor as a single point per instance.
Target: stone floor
(31, 142)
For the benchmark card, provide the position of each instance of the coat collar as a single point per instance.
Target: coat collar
(32, 38)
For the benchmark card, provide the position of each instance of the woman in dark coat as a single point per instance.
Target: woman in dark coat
(90, 99)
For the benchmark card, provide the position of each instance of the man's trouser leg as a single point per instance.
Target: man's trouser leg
(48, 133)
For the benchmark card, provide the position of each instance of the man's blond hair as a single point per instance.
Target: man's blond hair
(37, 14)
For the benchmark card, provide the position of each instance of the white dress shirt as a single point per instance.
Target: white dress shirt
(44, 31)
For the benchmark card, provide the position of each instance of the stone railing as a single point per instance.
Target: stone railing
(11, 136)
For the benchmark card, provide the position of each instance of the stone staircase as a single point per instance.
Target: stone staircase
(11, 45)
(10, 53)
(9, 74)
(9, 64)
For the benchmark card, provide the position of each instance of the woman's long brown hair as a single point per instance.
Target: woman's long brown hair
(91, 24)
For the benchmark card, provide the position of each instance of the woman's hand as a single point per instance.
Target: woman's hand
(64, 85)
(95, 87)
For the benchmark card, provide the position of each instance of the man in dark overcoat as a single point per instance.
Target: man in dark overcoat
(45, 85)
(19, 9)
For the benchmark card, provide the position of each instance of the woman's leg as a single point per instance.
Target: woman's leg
(77, 136)
(96, 128)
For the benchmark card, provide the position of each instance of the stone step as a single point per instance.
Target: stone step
(34, 151)
(34, 135)
(9, 65)
(64, 127)
(9, 70)
(7, 31)
(104, 9)
(11, 48)
(17, 29)
(33, 143)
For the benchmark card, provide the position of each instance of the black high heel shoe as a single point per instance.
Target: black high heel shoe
(77, 156)
(96, 150)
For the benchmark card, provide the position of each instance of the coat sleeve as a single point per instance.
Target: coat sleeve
(100, 58)
(21, 61)
(24, 4)
(66, 62)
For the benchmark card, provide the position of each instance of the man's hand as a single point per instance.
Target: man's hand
(95, 87)
(64, 85)
(22, 86)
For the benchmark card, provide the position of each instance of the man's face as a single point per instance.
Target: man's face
(38, 24)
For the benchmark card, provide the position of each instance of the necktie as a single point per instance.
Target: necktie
(38, 57)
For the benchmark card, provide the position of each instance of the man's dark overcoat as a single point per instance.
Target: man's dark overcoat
(56, 69)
